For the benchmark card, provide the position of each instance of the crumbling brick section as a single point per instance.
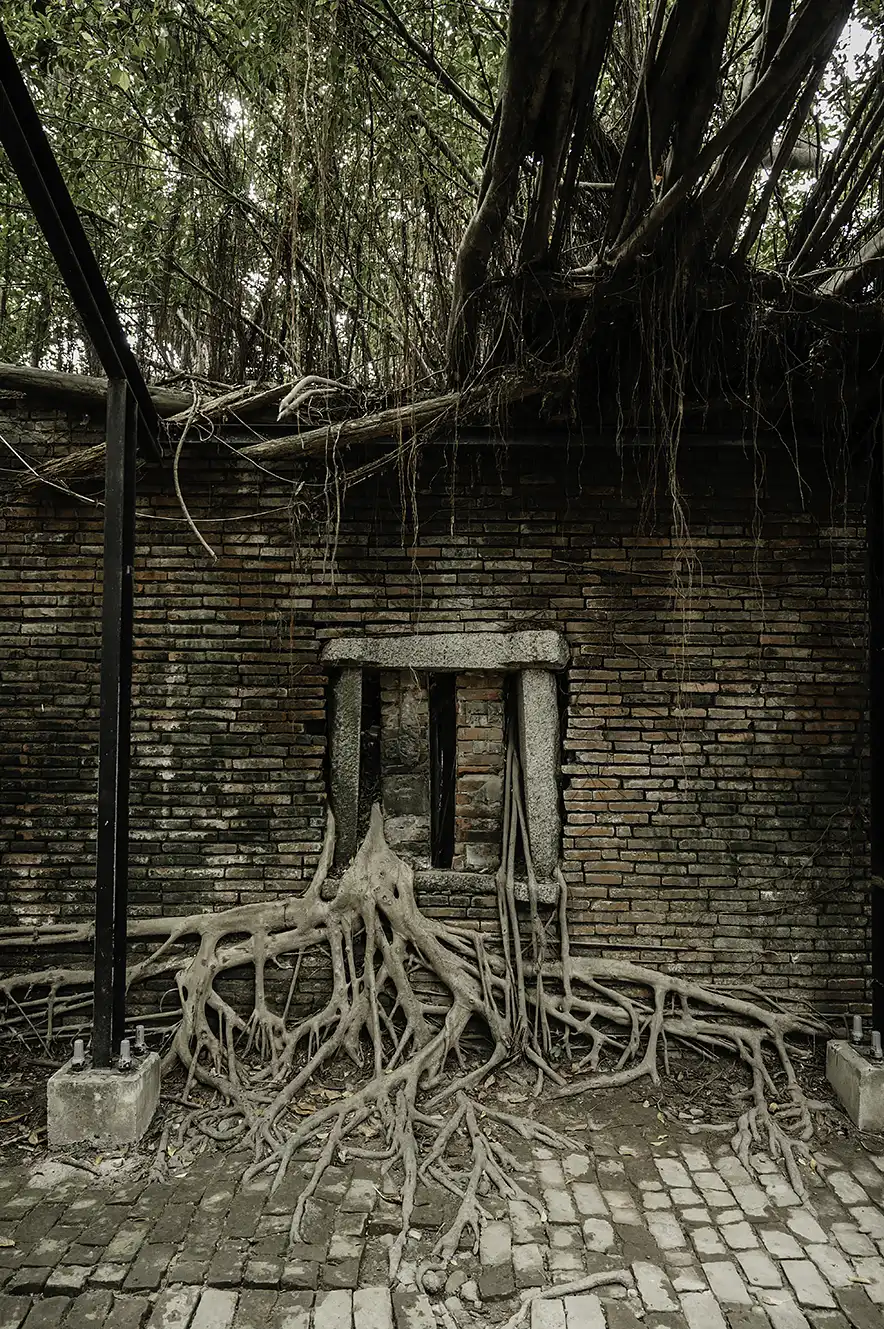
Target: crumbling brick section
(480, 772)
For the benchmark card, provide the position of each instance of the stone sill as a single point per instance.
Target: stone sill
(478, 883)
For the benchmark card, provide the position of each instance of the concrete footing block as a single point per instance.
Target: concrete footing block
(102, 1107)
(858, 1082)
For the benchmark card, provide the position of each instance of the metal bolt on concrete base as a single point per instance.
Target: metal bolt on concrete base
(858, 1082)
(102, 1106)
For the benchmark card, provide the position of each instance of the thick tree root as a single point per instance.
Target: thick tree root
(414, 1111)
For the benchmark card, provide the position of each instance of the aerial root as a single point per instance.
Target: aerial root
(415, 1110)
(612, 1278)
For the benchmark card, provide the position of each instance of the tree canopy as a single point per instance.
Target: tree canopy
(402, 196)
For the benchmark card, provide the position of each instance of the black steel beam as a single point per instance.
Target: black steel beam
(112, 868)
(876, 720)
(29, 150)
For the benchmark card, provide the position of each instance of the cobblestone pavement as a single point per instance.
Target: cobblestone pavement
(705, 1246)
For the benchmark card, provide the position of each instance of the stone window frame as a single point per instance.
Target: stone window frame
(535, 657)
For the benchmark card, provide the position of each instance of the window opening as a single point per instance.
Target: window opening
(369, 747)
(443, 767)
(512, 735)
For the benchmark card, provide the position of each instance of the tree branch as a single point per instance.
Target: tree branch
(426, 57)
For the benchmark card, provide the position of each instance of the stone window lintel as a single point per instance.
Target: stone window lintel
(458, 652)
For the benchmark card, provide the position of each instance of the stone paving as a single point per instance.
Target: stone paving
(705, 1245)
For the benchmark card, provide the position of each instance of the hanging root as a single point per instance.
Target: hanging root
(404, 990)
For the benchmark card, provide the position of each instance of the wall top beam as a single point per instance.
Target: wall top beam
(441, 652)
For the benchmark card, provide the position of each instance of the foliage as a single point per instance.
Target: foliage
(282, 190)
(263, 184)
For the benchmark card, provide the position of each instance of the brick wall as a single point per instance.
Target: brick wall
(481, 759)
(714, 764)
(405, 763)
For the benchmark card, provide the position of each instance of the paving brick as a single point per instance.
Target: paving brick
(870, 1271)
(411, 1310)
(689, 1278)
(831, 1264)
(127, 1313)
(584, 1311)
(242, 1217)
(809, 1287)
(495, 1243)
(781, 1244)
(751, 1199)
(172, 1223)
(48, 1251)
(262, 1273)
(846, 1188)
(528, 1265)
(696, 1159)
(739, 1236)
(47, 1313)
(67, 1280)
(759, 1269)
(348, 1224)
(25, 1282)
(341, 1273)
(621, 1316)
(256, 1309)
(673, 1173)
(742, 1318)
(708, 1241)
(228, 1263)
(300, 1274)
(727, 1284)
(622, 1206)
(780, 1192)
(173, 1308)
(851, 1240)
(149, 1267)
(13, 1311)
(598, 1234)
(127, 1242)
(859, 1309)
(654, 1287)
(589, 1200)
(334, 1310)
(711, 1181)
(559, 1205)
(702, 1311)
(548, 1313)
(570, 1261)
(549, 1172)
(667, 1231)
(869, 1219)
(216, 1309)
(372, 1308)
(293, 1310)
(89, 1310)
(783, 1312)
(361, 1196)
(805, 1225)
(658, 1200)
(111, 1276)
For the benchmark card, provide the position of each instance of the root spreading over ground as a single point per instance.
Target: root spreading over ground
(405, 991)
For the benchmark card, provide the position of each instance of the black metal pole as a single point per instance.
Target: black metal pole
(32, 158)
(111, 880)
(875, 531)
